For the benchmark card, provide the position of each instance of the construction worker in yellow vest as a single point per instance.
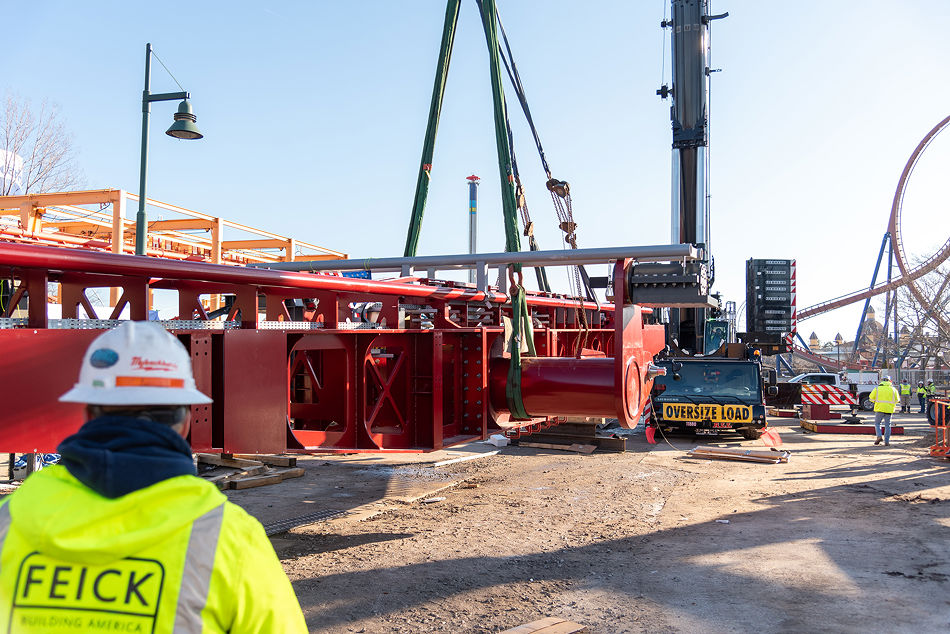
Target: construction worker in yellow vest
(931, 389)
(885, 399)
(121, 536)
(905, 397)
(922, 396)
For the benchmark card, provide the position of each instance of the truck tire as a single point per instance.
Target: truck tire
(751, 433)
(866, 403)
(932, 413)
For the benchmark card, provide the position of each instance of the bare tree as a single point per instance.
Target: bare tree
(36, 150)
(926, 340)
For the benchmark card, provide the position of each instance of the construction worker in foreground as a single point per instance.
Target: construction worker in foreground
(121, 536)
(922, 397)
(885, 399)
(905, 397)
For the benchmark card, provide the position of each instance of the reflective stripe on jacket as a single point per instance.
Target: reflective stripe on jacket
(172, 557)
(905, 389)
(885, 398)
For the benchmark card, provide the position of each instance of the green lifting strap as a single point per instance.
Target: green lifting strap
(428, 146)
(505, 171)
(521, 318)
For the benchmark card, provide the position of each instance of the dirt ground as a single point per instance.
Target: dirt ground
(844, 537)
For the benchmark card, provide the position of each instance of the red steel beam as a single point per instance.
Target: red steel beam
(53, 259)
(407, 387)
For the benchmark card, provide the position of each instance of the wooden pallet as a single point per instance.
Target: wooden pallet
(574, 433)
(783, 413)
(820, 428)
(245, 472)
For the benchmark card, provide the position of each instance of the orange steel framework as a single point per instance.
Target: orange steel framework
(185, 235)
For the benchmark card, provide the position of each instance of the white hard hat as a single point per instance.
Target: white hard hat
(137, 363)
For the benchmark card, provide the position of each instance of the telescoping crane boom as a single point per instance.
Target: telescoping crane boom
(685, 287)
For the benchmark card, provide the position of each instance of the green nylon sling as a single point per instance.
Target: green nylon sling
(521, 317)
(435, 109)
(521, 321)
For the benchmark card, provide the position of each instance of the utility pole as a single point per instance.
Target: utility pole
(472, 219)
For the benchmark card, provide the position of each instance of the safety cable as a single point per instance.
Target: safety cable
(560, 190)
(665, 439)
(522, 202)
(515, 78)
(155, 55)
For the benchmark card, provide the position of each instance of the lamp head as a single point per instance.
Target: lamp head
(184, 126)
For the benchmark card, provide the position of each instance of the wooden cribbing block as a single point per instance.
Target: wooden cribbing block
(255, 481)
(578, 447)
(549, 625)
(294, 472)
(274, 461)
(239, 463)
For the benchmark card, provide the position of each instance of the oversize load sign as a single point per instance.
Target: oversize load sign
(713, 413)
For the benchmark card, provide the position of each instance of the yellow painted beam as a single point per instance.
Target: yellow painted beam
(263, 243)
(86, 197)
(180, 223)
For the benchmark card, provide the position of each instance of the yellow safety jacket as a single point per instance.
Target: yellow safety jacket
(905, 389)
(885, 398)
(931, 390)
(172, 557)
(921, 390)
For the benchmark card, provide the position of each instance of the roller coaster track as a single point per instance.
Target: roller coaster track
(908, 274)
(821, 360)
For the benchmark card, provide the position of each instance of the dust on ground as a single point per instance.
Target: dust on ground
(844, 537)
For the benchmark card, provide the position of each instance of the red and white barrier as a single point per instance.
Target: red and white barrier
(827, 395)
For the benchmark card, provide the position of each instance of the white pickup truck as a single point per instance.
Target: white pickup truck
(859, 384)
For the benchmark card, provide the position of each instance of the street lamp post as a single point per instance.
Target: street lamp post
(183, 128)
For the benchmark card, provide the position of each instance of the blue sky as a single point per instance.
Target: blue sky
(314, 114)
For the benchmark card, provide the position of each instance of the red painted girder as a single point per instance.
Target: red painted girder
(56, 259)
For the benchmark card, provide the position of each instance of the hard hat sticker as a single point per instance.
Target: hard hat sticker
(104, 358)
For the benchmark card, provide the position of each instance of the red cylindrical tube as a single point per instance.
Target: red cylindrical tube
(559, 386)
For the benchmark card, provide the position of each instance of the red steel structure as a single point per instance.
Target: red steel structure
(410, 364)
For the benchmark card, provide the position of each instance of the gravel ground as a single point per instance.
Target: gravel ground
(846, 537)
